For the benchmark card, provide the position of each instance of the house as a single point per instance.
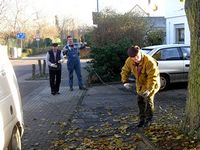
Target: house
(177, 30)
(155, 22)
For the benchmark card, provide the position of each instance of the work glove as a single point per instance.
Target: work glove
(128, 86)
(53, 65)
(60, 61)
(145, 94)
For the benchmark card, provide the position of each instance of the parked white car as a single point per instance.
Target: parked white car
(173, 62)
(11, 115)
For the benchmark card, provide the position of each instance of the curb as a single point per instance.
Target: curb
(148, 142)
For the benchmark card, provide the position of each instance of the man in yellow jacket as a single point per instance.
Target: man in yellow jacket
(145, 69)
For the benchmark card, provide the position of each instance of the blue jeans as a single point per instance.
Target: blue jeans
(74, 65)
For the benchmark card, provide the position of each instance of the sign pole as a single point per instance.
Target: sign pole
(21, 44)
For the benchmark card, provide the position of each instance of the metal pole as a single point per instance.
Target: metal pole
(38, 44)
(40, 67)
(97, 5)
(21, 44)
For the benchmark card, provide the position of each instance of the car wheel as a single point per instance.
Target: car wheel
(164, 80)
(15, 141)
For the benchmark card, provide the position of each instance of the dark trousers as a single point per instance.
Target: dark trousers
(54, 79)
(146, 107)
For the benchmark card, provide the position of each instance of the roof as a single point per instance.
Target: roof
(165, 45)
(155, 22)
(139, 9)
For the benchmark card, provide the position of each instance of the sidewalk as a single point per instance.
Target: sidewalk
(103, 117)
(107, 116)
(43, 112)
(92, 118)
(73, 117)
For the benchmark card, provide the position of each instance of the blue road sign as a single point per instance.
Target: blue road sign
(21, 35)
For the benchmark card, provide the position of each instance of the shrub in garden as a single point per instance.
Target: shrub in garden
(110, 41)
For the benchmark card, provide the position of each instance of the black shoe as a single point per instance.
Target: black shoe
(148, 122)
(141, 123)
(53, 93)
(71, 89)
(82, 88)
(57, 92)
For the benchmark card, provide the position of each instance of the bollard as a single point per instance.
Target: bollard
(40, 67)
(44, 67)
(33, 71)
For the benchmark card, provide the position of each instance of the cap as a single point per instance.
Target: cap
(54, 44)
(133, 51)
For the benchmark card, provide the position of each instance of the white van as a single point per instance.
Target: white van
(11, 116)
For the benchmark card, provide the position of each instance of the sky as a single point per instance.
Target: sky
(82, 10)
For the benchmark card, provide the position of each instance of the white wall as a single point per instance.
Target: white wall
(170, 29)
(174, 8)
(175, 14)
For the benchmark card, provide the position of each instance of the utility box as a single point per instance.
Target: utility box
(15, 52)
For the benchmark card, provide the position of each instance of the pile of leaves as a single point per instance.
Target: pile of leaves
(107, 135)
(169, 137)
(119, 132)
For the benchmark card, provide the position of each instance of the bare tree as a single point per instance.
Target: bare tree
(11, 19)
(3, 9)
(66, 26)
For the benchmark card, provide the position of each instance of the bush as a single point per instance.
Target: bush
(107, 61)
(39, 50)
(110, 41)
(26, 52)
(155, 37)
(85, 54)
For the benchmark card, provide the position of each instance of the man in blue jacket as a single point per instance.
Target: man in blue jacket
(73, 62)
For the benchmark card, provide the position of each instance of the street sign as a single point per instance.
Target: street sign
(37, 37)
(21, 35)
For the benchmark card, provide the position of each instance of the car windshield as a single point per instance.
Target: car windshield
(146, 50)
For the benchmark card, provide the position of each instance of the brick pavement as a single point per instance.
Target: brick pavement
(45, 112)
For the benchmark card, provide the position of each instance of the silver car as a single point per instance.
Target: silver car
(173, 62)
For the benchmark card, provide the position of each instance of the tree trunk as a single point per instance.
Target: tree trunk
(192, 122)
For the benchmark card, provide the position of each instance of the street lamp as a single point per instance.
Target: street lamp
(97, 5)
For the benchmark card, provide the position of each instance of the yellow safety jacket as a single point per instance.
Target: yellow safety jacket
(146, 73)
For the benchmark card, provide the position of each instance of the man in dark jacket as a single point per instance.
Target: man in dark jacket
(54, 58)
(73, 62)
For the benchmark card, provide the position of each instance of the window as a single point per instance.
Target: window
(180, 33)
(167, 54)
(186, 52)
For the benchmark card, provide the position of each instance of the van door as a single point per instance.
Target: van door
(6, 101)
(5, 95)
